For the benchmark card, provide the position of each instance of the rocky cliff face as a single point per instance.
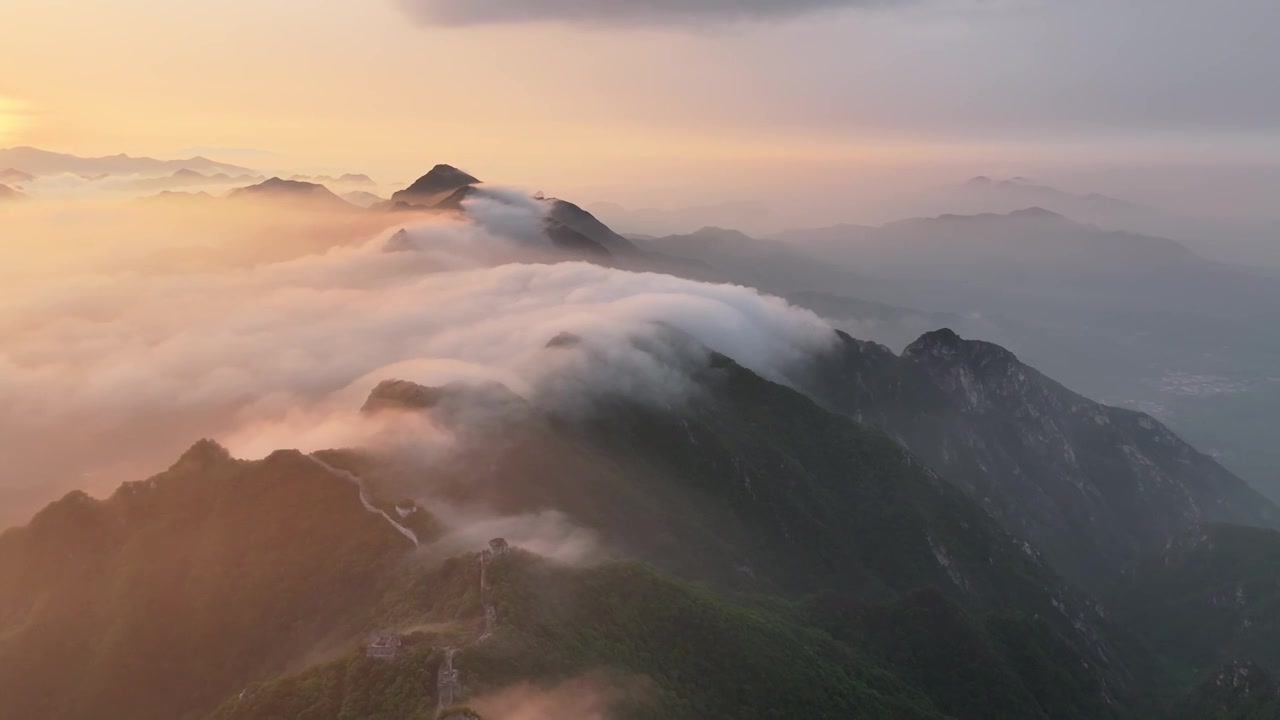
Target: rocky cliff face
(1210, 597)
(1092, 486)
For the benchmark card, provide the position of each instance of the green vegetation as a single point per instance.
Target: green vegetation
(1007, 665)
(700, 655)
(356, 688)
(705, 657)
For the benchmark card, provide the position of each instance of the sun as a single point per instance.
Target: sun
(11, 119)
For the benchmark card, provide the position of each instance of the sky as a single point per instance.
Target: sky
(661, 101)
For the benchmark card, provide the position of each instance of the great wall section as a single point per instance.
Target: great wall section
(448, 677)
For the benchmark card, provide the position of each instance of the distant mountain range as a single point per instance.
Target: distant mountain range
(190, 178)
(659, 221)
(362, 198)
(1032, 238)
(8, 193)
(995, 195)
(1243, 243)
(345, 179)
(441, 192)
(276, 189)
(15, 177)
(1133, 319)
(34, 161)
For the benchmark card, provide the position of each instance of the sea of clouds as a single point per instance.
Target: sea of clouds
(105, 375)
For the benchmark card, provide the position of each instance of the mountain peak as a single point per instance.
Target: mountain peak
(946, 345)
(205, 453)
(587, 225)
(457, 403)
(942, 342)
(277, 187)
(402, 241)
(442, 178)
(278, 183)
(15, 176)
(711, 231)
(1037, 213)
(401, 395)
(564, 340)
(407, 395)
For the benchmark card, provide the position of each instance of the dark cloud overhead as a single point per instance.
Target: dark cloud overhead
(618, 12)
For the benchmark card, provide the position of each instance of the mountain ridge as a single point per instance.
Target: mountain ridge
(750, 487)
(44, 162)
(1051, 464)
(276, 188)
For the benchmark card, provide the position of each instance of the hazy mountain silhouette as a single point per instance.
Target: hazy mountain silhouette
(43, 162)
(658, 222)
(362, 198)
(11, 176)
(291, 191)
(1121, 316)
(1214, 237)
(191, 178)
(345, 179)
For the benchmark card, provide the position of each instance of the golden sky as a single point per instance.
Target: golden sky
(837, 97)
(356, 85)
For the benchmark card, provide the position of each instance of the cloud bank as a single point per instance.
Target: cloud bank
(113, 373)
(618, 12)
